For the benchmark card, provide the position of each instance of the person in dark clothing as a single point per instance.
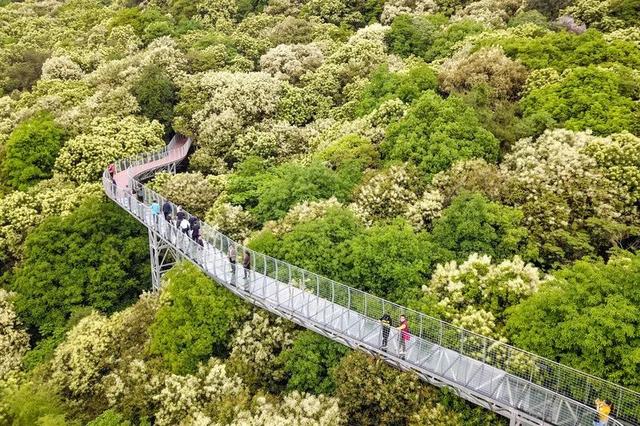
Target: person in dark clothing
(166, 210)
(195, 229)
(231, 253)
(246, 263)
(180, 214)
(386, 326)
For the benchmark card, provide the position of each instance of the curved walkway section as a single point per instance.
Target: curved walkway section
(524, 387)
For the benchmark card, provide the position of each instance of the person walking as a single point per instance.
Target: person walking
(168, 228)
(166, 210)
(232, 259)
(184, 225)
(112, 170)
(155, 211)
(404, 336)
(246, 263)
(127, 197)
(603, 408)
(181, 214)
(195, 228)
(386, 327)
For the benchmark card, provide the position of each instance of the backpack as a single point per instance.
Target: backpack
(184, 224)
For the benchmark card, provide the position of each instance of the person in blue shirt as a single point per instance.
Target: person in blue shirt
(155, 211)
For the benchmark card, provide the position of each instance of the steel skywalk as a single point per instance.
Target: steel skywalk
(526, 388)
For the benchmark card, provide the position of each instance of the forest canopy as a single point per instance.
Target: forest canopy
(476, 160)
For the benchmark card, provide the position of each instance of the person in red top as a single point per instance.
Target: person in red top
(404, 335)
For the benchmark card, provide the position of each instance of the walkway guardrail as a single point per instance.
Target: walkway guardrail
(544, 382)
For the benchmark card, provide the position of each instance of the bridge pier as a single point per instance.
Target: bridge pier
(163, 256)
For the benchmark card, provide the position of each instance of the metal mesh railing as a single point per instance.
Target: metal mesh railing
(523, 368)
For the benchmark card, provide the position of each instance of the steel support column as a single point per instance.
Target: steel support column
(163, 257)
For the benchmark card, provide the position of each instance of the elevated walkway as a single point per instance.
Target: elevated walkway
(526, 388)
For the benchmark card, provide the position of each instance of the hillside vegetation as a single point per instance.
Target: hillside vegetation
(478, 161)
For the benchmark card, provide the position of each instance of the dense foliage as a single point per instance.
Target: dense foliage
(96, 257)
(477, 160)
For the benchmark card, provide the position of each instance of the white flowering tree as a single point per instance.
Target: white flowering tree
(469, 176)
(493, 13)
(393, 8)
(475, 293)
(385, 195)
(199, 397)
(84, 157)
(618, 158)
(14, 341)
(488, 66)
(290, 62)
(219, 106)
(255, 348)
(21, 211)
(195, 192)
(233, 221)
(560, 187)
(88, 366)
(62, 68)
(293, 409)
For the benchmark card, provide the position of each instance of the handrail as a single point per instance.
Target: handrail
(538, 371)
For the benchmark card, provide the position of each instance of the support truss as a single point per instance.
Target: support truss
(163, 257)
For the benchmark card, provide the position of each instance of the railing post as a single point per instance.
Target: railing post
(277, 282)
(264, 276)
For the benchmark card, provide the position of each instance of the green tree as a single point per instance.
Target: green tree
(561, 50)
(588, 318)
(350, 151)
(31, 151)
(603, 100)
(437, 132)
(384, 85)
(317, 245)
(242, 186)
(428, 37)
(22, 70)
(141, 19)
(196, 319)
(310, 362)
(472, 224)
(413, 34)
(156, 95)
(96, 256)
(388, 260)
(549, 8)
(32, 403)
(290, 184)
